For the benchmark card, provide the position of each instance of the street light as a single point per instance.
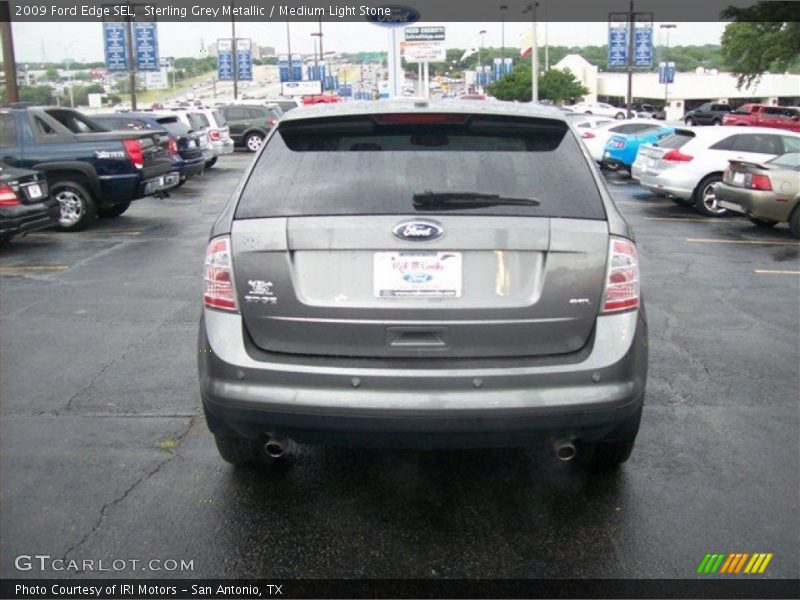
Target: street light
(531, 8)
(666, 26)
(481, 33)
(503, 9)
(67, 61)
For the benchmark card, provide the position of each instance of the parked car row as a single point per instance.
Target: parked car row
(61, 167)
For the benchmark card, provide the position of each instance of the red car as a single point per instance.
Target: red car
(321, 99)
(761, 115)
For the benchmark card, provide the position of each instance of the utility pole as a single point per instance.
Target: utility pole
(235, 56)
(666, 26)
(131, 64)
(534, 52)
(503, 9)
(289, 44)
(631, 27)
(9, 62)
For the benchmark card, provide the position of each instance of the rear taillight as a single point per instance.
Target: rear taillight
(676, 156)
(215, 135)
(622, 279)
(587, 135)
(172, 145)
(135, 152)
(8, 197)
(218, 290)
(759, 182)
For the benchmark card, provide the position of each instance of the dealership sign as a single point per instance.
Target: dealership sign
(398, 16)
(301, 88)
(424, 34)
(416, 52)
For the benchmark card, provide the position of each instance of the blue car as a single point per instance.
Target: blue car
(184, 144)
(621, 150)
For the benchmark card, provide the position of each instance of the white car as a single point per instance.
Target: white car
(582, 121)
(596, 138)
(218, 132)
(687, 165)
(600, 108)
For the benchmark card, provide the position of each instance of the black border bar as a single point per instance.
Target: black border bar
(69, 589)
(440, 11)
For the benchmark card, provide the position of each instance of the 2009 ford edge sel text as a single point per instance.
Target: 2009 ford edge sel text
(422, 274)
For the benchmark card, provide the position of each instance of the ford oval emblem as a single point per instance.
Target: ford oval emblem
(398, 16)
(417, 231)
(417, 277)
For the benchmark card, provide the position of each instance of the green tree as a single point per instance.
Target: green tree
(51, 74)
(37, 94)
(554, 85)
(757, 41)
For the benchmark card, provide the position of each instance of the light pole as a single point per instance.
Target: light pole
(531, 8)
(503, 9)
(666, 26)
(482, 33)
(67, 62)
(289, 54)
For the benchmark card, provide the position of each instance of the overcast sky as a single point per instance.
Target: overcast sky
(83, 41)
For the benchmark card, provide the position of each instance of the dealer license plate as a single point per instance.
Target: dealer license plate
(417, 274)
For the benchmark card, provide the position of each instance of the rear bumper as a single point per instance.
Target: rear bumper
(667, 182)
(498, 404)
(18, 220)
(758, 203)
(192, 168)
(222, 147)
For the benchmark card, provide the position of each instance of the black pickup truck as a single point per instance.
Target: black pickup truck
(90, 170)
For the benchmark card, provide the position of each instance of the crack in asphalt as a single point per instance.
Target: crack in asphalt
(109, 505)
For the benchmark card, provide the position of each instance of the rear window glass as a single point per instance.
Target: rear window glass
(74, 121)
(790, 160)
(8, 130)
(676, 140)
(198, 120)
(174, 126)
(360, 166)
(218, 118)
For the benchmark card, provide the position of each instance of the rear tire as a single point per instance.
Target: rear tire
(211, 162)
(690, 122)
(78, 206)
(113, 211)
(717, 122)
(619, 116)
(794, 222)
(239, 451)
(762, 223)
(705, 198)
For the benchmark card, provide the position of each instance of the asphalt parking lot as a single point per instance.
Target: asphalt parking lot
(105, 455)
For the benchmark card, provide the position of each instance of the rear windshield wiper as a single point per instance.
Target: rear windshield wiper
(435, 200)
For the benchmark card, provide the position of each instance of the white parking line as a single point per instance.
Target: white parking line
(768, 242)
(687, 219)
(776, 272)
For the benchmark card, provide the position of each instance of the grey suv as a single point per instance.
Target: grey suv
(427, 275)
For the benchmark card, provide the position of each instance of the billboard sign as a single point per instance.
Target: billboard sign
(424, 34)
(145, 45)
(115, 41)
(666, 72)
(617, 41)
(244, 59)
(416, 52)
(643, 41)
(225, 60)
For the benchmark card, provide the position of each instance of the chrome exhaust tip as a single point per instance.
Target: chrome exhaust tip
(564, 449)
(274, 449)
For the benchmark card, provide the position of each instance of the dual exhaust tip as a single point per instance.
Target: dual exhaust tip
(563, 449)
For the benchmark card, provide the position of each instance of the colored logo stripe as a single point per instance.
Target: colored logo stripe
(734, 563)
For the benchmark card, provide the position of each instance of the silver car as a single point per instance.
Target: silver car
(413, 273)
